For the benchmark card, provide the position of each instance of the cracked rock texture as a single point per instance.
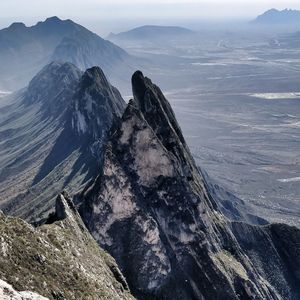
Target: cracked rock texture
(150, 208)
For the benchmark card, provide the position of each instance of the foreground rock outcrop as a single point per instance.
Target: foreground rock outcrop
(7, 292)
(59, 260)
(149, 207)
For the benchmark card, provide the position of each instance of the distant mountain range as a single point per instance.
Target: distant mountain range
(279, 17)
(25, 50)
(151, 32)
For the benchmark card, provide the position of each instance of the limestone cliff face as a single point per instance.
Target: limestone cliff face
(150, 209)
(59, 260)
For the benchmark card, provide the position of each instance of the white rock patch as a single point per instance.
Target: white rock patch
(88, 103)
(7, 292)
(118, 196)
(127, 130)
(3, 247)
(151, 159)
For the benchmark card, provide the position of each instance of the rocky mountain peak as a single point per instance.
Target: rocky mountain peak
(64, 207)
(155, 108)
(94, 76)
(277, 17)
(150, 208)
(65, 114)
(96, 104)
(52, 84)
(54, 23)
(150, 193)
(159, 115)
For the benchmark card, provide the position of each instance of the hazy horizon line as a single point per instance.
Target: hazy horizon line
(117, 24)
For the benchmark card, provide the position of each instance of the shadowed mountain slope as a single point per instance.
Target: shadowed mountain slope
(25, 50)
(52, 135)
(59, 260)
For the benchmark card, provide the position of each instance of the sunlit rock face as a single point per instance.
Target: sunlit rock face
(150, 209)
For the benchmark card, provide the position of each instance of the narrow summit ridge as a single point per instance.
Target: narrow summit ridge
(150, 209)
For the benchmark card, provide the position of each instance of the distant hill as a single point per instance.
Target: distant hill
(279, 17)
(25, 50)
(151, 32)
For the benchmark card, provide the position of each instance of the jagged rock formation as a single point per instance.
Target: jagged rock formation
(60, 260)
(52, 135)
(25, 50)
(149, 207)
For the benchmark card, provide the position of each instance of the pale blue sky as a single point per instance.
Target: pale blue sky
(94, 13)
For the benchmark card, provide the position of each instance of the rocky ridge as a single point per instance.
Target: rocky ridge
(149, 207)
(52, 135)
(59, 260)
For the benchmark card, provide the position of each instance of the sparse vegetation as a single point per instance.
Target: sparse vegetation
(58, 261)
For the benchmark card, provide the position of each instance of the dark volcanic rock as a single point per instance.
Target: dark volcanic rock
(151, 210)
